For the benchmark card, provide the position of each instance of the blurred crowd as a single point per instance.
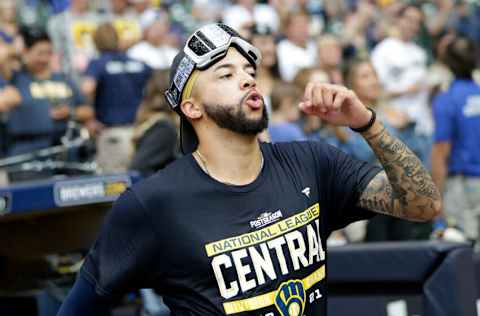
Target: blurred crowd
(103, 64)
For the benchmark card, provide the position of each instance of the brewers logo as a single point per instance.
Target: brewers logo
(290, 299)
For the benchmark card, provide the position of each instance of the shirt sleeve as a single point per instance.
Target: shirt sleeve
(343, 179)
(83, 300)
(122, 257)
(94, 70)
(443, 118)
(77, 98)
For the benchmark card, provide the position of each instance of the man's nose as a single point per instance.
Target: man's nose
(248, 81)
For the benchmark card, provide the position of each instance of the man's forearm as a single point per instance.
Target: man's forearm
(410, 191)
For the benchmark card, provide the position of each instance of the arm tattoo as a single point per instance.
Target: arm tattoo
(405, 188)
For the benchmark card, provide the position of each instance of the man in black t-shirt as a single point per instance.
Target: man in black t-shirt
(238, 227)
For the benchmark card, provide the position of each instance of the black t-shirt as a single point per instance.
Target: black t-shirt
(213, 249)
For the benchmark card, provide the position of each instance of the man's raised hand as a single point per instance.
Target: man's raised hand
(334, 104)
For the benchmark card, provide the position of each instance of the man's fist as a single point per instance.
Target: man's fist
(334, 104)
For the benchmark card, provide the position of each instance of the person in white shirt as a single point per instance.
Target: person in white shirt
(297, 51)
(155, 49)
(402, 68)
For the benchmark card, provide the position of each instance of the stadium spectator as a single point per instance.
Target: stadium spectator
(329, 57)
(154, 135)
(456, 149)
(9, 30)
(402, 68)
(285, 113)
(313, 127)
(141, 6)
(155, 50)
(144, 10)
(126, 22)
(360, 28)
(48, 99)
(9, 95)
(268, 73)
(362, 78)
(114, 82)
(296, 51)
(72, 37)
(34, 14)
(442, 13)
(207, 11)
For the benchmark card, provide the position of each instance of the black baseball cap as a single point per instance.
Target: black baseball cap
(188, 137)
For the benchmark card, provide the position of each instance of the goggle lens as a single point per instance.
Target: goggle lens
(197, 46)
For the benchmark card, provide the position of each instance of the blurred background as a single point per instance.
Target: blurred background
(82, 113)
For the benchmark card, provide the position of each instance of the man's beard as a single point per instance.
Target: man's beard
(234, 119)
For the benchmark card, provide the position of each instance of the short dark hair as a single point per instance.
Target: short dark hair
(460, 57)
(32, 36)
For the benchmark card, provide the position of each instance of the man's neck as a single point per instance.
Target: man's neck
(230, 157)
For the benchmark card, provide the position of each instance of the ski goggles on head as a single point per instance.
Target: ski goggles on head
(211, 42)
(204, 48)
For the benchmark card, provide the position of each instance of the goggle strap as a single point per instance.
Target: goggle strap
(184, 70)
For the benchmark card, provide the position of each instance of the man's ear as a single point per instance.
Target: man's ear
(191, 109)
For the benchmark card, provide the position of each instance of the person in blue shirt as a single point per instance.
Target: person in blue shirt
(283, 125)
(48, 99)
(115, 83)
(456, 150)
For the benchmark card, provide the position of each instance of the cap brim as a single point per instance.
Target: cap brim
(188, 137)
